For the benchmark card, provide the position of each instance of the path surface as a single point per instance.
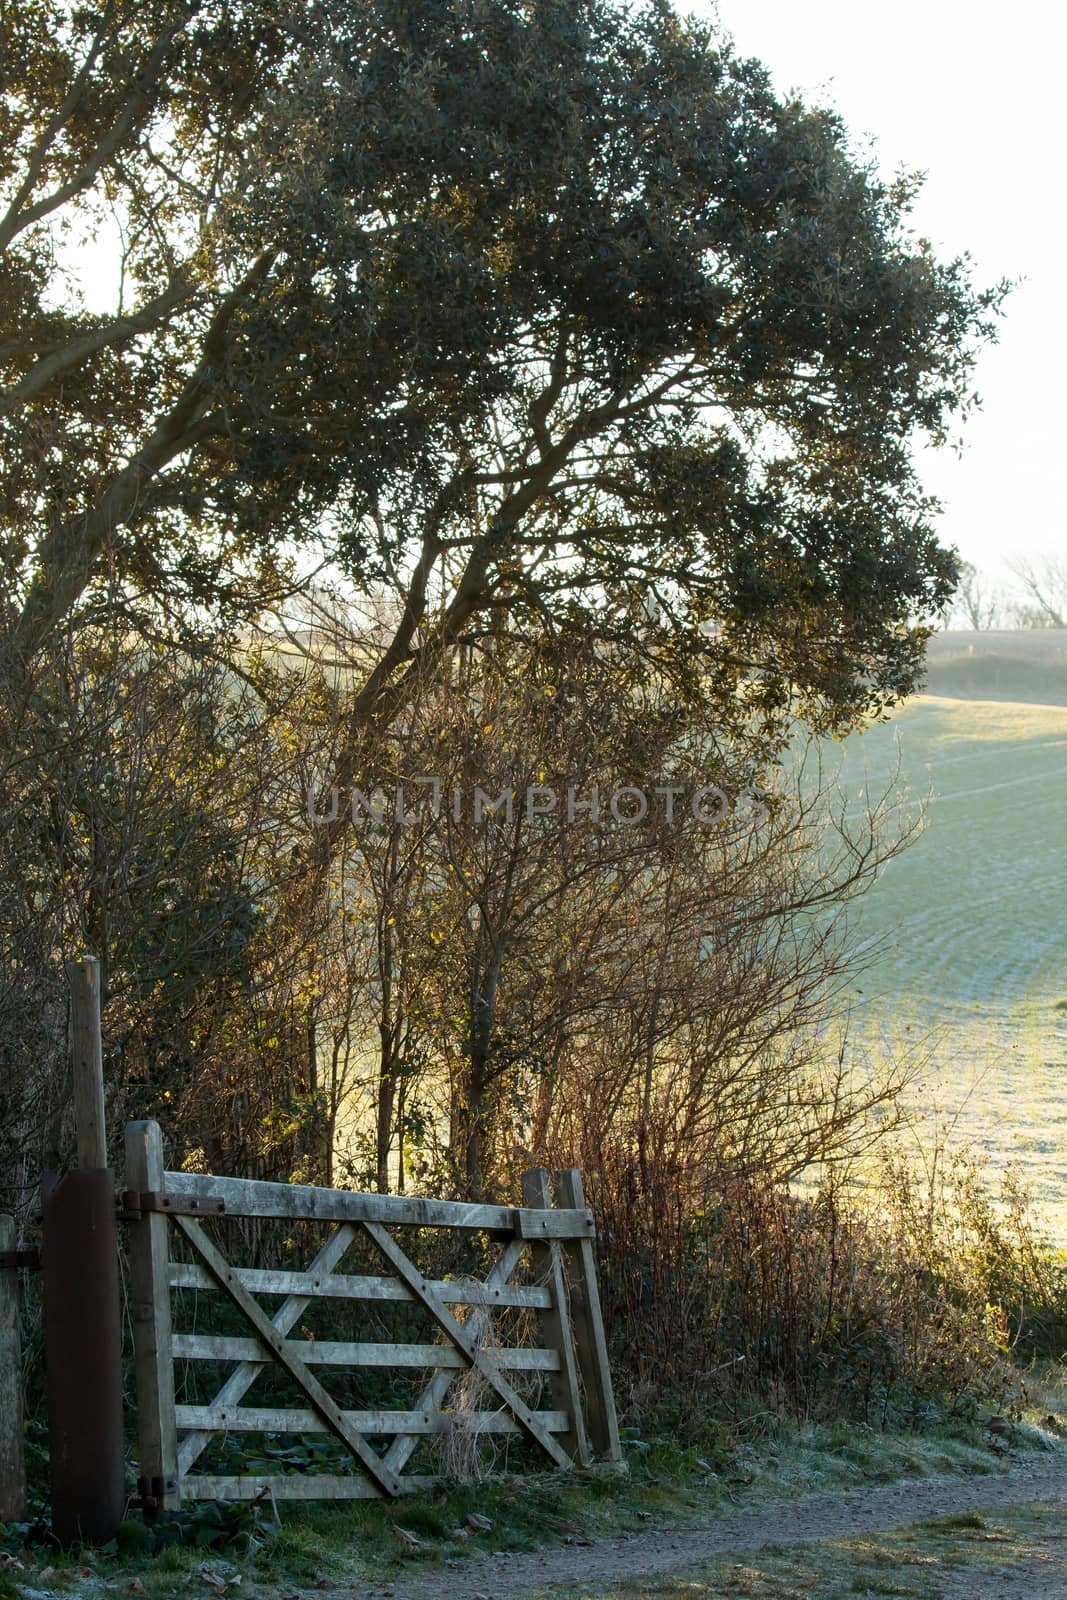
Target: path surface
(657, 1552)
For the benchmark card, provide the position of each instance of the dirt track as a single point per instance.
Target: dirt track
(657, 1552)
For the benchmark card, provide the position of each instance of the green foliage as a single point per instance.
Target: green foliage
(547, 306)
(203, 1525)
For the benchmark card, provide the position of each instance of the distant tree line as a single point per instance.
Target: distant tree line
(1038, 601)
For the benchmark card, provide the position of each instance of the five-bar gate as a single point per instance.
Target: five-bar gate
(553, 1242)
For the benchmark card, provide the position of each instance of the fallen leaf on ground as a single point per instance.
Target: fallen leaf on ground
(217, 1581)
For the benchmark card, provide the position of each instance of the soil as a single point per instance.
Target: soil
(656, 1553)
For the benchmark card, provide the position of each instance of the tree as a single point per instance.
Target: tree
(975, 605)
(589, 935)
(528, 312)
(1044, 579)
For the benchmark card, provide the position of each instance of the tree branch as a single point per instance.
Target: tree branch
(112, 333)
(68, 552)
(18, 220)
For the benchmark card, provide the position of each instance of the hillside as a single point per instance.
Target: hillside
(1028, 665)
(972, 962)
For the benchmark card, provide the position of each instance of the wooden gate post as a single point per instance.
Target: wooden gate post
(87, 1052)
(148, 1249)
(12, 1458)
(591, 1345)
(554, 1322)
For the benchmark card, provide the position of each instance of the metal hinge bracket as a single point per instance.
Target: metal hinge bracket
(135, 1204)
(152, 1491)
(12, 1259)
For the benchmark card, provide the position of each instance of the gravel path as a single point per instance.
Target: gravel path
(658, 1551)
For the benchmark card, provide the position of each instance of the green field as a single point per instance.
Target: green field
(971, 971)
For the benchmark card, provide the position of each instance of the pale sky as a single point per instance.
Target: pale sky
(975, 95)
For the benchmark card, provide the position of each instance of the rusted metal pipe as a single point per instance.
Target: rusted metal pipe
(83, 1352)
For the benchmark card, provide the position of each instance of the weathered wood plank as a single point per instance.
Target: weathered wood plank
(332, 1353)
(573, 1223)
(286, 1356)
(554, 1322)
(150, 1316)
(297, 1486)
(247, 1197)
(332, 1286)
(284, 1319)
(12, 1458)
(432, 1397)
(591, 1345)
(87, 1056)
(465, 1342)
(265, 1419)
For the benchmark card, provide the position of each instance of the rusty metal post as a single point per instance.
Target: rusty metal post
(83, 1352)
(82, 1329)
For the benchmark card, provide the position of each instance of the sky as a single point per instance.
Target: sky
(975, 96)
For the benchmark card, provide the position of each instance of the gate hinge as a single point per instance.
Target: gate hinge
(11, 1259)
(135, 1203)
(151, 1492)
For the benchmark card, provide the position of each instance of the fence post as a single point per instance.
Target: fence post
(554, 1322)
(12, 1458)
(590, 1342)
(148, 1249)
(87, 1052)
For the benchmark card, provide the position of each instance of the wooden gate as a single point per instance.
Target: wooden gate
(554, 1243)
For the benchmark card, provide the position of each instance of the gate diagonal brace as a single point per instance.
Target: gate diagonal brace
(468, 1347)
(283, 1353)
(290, 1311)
(435, 1393)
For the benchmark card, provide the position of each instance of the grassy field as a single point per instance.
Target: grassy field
(971, 969)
